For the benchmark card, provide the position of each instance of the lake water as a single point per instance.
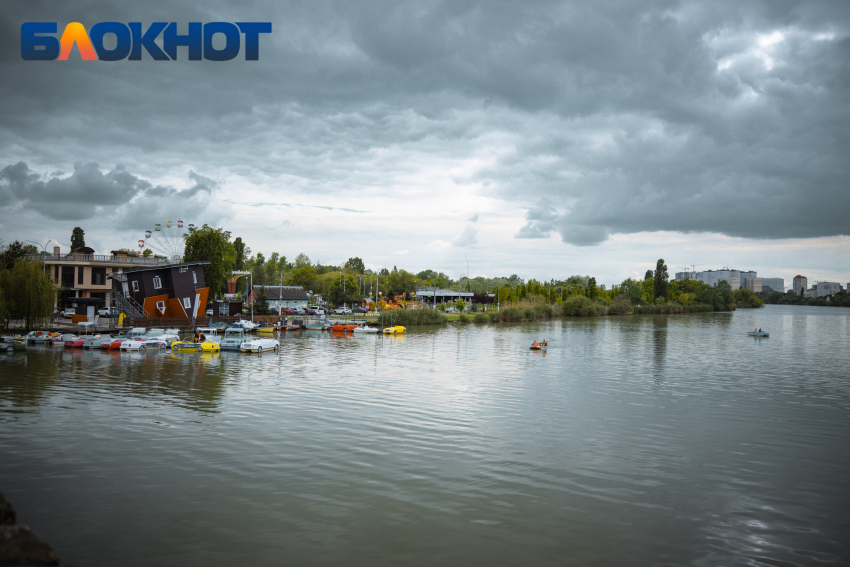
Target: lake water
(666, 440)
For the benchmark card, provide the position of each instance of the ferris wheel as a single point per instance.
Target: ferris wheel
(167, 240)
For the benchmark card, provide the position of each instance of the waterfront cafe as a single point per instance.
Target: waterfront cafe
(429, 295)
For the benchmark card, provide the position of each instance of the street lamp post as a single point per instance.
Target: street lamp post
(43, 251)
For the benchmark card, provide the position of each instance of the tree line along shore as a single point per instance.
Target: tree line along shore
(28, 294)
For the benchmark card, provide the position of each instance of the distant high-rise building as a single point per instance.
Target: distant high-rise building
(755, 285)
(822, 289)
(776, 284)
(735, 278)
(800, 284)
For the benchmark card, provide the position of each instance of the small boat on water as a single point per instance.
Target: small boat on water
(342, 328)
(200, 348)
(139, 342)
(538, 345)
(759, 333)
(76, 342)
(95, 341)
(34, 337)
(365, 329)
(10, 346)
(259, 345)
(397, 330)
(233, 338)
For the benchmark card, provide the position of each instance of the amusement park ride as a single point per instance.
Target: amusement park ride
(166, 240)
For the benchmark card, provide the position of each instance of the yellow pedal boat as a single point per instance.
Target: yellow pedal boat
(395, 330)
(201, 348)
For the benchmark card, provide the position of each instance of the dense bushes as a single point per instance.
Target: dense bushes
(524, 311)
(581, 306)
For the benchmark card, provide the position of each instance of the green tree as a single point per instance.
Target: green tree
(213, 245)
(648, 275)
(10, 255)
(356, 265)
(632, 290)
(147, 252)
(724, 293)
(27, 292)
(305, 277)
(261, 303)
(78, 239)
(707, 295)
(592, 290)
(660, 279)
(460, 305)
(302, 260)
(241, 252)
(343, 289)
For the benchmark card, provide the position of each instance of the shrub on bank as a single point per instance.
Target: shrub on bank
(523, 311)
(581, 306)
(481, 318)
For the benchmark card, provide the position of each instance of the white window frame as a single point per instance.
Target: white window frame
(184, 269)
(187, 302)
(135, 285)
(195, 277)
(157, 282)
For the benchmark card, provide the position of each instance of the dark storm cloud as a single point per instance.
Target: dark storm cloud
(88, 193)
(625, 116)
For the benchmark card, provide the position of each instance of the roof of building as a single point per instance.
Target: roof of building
(164, 266)
(285, 293)
(82, 250)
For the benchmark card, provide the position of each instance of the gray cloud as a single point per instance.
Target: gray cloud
(626, 116)
(117, 196)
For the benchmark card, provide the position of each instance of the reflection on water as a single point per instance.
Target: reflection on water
(630, 440)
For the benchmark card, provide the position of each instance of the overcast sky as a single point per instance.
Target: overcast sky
(539, 138)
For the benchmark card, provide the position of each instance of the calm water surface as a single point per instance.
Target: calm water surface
(665, 440)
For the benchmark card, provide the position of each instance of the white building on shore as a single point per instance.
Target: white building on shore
(822, 289)
(737, 279)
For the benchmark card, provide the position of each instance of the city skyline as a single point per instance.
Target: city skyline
(543, 140)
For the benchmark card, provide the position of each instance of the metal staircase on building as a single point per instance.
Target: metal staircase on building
(129, 306)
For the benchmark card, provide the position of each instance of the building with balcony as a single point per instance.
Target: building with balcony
(83, 274)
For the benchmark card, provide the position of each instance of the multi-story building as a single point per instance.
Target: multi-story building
(800, 284)
(775, 284)
(735, 278)
(755, 285)
(822, 289)
(83, 274)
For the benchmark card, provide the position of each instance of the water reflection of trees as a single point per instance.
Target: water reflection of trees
(27, 379)
(659, 347)
(190, 381)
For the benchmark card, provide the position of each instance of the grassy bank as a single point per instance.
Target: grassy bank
(577, 306)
